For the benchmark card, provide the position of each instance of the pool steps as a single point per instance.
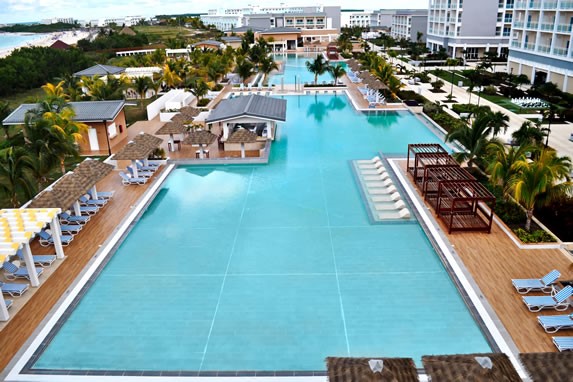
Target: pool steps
(383, 197)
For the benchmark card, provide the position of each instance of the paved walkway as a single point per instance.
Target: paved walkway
(560, 133)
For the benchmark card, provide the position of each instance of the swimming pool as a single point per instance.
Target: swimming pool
(271, 267)
(295, 70)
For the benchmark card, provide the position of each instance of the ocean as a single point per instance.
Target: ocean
(11, 40)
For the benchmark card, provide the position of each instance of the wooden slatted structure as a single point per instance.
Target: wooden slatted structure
(423, 160)
(435, 174)
(419, 148)
(465, 205)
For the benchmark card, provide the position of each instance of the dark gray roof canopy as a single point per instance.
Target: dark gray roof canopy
(99, 70)
(253, 105)
(88, 111)
(281, 30)
(244, 29)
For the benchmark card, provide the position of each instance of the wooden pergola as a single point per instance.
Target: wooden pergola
(420, 148)
(424, 160)
(435, 174)
(465, 205)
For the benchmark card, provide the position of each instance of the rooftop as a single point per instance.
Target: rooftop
(99, 70)
(252, 105)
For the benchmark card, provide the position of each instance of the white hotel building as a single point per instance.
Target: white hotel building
(469, 27)
(542, 42)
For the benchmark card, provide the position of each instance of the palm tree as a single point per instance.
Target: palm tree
(199, 89)
(505, 164)
(141, 85)
(541, 181)
(317, 66)
(529, 134)
(4, 112)
(244, 68)
(336, 72)
(170, 78)
(473, 137)
(15, 170)
(55, 91)
(498, 122)
(268, 65)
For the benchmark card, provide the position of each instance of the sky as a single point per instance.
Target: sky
(12, 11)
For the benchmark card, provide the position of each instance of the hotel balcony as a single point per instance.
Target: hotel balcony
(546, 27)
(518, 24)
(564, 28)
(566, 5)
(560, 51)
(516, 44)
(550, 5)
(532, 25)
(544, 48)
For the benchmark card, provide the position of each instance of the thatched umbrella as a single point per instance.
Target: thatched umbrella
(171, 128)
(549, 367)
(70, 188)
(365, 74)
(189, 112)
(371, 369)
(201, 137)
(242, 136)
(50, 199)
(93, 171)
(140, 148)
(470, 368)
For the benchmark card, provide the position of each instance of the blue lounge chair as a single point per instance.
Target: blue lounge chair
(127, 180)
(46, 239)
(89, 210)
(12, 272)
(140, 174)
(43, 261)
(84, 201)
(551, 324)
(14, 289)
(72, 219)
(543, 284)
(558, 302)
(71, 229)
(8, 303)
(563, 343)
(150, 167)
(103, 195)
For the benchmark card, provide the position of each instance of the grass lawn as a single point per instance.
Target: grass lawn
(28, 96)
(446, 75)
(160, 33)
(507, 104)
(136, 113)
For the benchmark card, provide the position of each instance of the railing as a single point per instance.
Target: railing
(546, 27)
(520, 4)
(566, 4)
(549, 5)
(534, 4)
(560, 51)
(508, 6)
(544, 48)
(507, 20)
(564, 28)
(532, 25)
(518, 24)
(529, 46)
(516, 44)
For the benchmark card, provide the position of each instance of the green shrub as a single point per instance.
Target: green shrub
(537, 236)
(468, 108)
(510, 212)
(203, 102)
(423, 76)
(490, 90)
(437, 85)
(217, 87)
(412, 95)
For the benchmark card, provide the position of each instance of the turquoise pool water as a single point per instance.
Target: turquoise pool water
(271, 267)
(295, 67)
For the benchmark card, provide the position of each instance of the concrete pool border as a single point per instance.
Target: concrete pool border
(38, 338)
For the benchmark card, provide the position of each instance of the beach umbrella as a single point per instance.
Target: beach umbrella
(140, 148)
(171, 128)
(200, 137)
(371, 369)
(242, 136)
(93, 171)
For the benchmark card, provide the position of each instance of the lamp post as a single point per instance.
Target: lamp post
(107, 137)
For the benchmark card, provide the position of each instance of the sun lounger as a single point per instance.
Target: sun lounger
(43, 261)
(543, 284)
(104, 195)
(558, 302)
(563, 343)
(8, 303)
(84, 201)
(89, 210)
(72, 219)
(141, 174)
(551, 324)
(141, 167)
(71, 229)
(127, 180)
(14, 289)
(46, 239)
(12, 272)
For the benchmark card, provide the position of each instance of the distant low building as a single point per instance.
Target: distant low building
(208, 44)
(232, 41)
(105, 120)
(100, 70)
(59, 44)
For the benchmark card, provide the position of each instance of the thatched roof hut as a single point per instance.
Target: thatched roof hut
(140, 148)
(171, 128)
(488, 367)
(92, 171)
(242, 135)
(201, 137)
(549, 367)
(371, 369)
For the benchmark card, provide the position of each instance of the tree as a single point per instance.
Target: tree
(541, 181)
(4, 112)
(437, 85)
(504, 164)
(549, 116)
(473, 137)
(15, 174)
(244, 68)
(529, 134)
(317, 67)
(141, 85)
(498, 122)
(170, 78)
(336, 72)
(55, 91)
(199, 89)
(267, 65)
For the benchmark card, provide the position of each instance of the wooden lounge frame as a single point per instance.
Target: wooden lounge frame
(419, 148)
(465, 205)
(423, 160)
(435, 174)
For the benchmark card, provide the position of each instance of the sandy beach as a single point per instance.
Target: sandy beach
(69, 37)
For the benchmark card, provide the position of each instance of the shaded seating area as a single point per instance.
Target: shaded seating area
(172, 128)
(340, 369)
(242, 136)
(486, 367)
(140, 149)
(548, 367)
(200, 138)
(462, 202)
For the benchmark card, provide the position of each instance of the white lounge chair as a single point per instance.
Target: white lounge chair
(552, 324)
(558, 302)
(127, 180)
(543, 284)
(563, 343)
